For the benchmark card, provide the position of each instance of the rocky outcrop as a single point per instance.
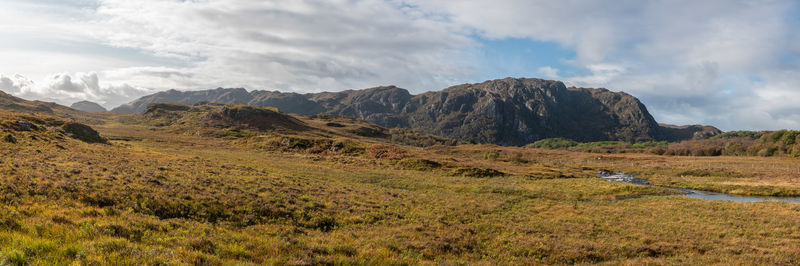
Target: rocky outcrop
(678, 133)
(82, 132)
(504, 111)
(88, 106)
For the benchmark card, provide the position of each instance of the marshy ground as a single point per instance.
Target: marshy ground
(154, 196)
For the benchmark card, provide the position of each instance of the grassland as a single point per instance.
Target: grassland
(158, 194)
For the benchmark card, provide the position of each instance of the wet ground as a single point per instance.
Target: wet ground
(698, 194)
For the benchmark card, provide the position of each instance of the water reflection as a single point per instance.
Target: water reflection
(698, 194)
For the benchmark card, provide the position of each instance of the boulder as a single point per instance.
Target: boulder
(82, 132)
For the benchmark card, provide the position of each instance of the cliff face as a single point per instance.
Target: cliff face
(505, 111)
(516, 112)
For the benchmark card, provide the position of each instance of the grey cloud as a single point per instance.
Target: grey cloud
(689, 61)
(309, 44)
(7, 85)
(63, 83)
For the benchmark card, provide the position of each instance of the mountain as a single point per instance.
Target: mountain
(88, 106)
(505, 111)
(219, 95)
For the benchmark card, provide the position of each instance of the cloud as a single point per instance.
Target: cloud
(65, 89)
(290, 45)
(689, 61)
(730, 63)
(548, 72)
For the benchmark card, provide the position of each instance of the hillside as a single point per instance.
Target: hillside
(506, 111)
(88, 106)
(235, 184)
(248, 123)
(688, 132)
(260, 187)
(15, 104)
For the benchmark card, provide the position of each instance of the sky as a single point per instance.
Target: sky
(728, 63)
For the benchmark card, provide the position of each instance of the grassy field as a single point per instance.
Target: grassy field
(154, 195)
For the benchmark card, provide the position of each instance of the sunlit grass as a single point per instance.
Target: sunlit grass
(154, 197)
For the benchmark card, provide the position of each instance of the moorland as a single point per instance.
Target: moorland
(213, 184)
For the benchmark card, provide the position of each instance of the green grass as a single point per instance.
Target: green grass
(163, 197)
(739, 134)
(553, 143)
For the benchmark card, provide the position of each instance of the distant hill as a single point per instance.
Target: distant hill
(678, 133)
(218, 95)
(15, 104)
(88, 106)
(11, 103)
(505, 111)
(237, 121)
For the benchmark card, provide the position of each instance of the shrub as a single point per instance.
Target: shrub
(388, 152)
(323, 223)
(517, 159)
(553, 143)
(650, 144)
(795, 152)
(603, 143)
(414, 138)
(766, 152)
(9, 219)
(371, 132)
(696, 148)
(790, 138)
(476, 172)
(418, 164)
(738, 134)
(203, 245)
(348, 147)
(492, 155)
(15, 257)
(776, 136)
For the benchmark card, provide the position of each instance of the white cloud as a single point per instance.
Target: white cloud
(548, 72)
(601, 75)
(689, 61)
(289, 45)
(14, 84)
(65, 89)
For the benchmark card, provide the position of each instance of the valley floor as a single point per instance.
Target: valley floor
(148, 197)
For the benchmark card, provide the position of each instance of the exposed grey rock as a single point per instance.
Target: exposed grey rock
(82, 132)
(10, 139)
(25, 126)
(505, 111)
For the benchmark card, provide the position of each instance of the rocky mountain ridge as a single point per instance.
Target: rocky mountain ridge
(505, 111)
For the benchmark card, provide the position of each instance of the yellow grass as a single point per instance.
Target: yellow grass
(156, 197)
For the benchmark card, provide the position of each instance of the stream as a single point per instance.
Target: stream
(698, 194)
